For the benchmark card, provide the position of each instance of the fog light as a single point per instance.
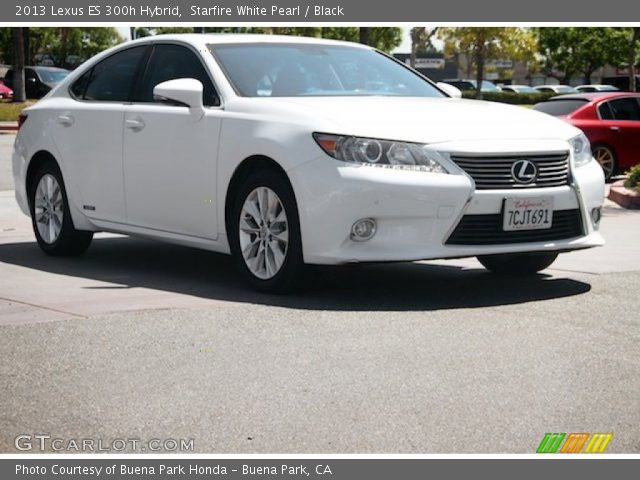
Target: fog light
(363, 230)
(596, 215)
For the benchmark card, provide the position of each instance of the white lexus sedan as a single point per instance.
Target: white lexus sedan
(288, 152)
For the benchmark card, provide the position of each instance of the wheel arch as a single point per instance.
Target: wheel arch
(38, 159)
(242, 172)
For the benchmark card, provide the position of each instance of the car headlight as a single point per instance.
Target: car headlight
(581, 149)
(381, 153)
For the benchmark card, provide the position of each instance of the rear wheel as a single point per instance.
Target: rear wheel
(606, 157)
(517, 264)
(50, 216)
(264, 233)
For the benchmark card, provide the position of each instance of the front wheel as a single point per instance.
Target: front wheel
(50, 216)
(265, 233)
(517, 263)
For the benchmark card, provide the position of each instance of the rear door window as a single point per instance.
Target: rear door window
(112, 79)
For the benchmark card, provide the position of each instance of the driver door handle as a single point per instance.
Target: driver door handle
(135, 124)
(65, 119)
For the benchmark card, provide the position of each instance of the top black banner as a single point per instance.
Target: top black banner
(200, 12)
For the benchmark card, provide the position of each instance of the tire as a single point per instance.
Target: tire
(517, 264)
(607, 159)
(50, 216)
(266, 242)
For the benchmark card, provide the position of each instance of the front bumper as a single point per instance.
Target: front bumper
(416, 212)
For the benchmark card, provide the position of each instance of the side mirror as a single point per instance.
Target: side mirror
(182, 91)
(450, 90)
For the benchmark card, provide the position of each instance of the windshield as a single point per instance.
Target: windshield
(296, 70)
(52, 76)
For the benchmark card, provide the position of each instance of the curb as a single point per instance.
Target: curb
(625, 197)
(9, 127)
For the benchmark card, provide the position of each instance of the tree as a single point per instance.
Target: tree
(382, 38)
(364, 35)
(19, 94)
(420, 40)
(570, 50)
(488, 43)
(59, 44)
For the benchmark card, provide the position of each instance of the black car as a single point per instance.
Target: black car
(38, 80)
(621, 82)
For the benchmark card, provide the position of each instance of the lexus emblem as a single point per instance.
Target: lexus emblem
(523, 171)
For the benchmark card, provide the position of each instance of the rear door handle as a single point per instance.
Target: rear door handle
(135, 124)
(615, 129)
(65, 119)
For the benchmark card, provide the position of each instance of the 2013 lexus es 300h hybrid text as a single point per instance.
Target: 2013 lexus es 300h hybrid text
(288, 152)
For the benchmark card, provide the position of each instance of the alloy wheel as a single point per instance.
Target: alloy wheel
(263, 233)
(48, 208)
(605, 158)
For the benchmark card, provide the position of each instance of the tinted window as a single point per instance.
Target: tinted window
(79, 87)
(169, 62)
(293, 70)
(112, 78)
(605, 111)
(559, 107)
(625, 108)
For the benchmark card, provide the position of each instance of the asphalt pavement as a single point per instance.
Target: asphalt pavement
(139, 339)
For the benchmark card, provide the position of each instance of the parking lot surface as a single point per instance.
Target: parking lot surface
(137, 339)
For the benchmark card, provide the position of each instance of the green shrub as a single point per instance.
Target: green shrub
(634, 177)
(511, 98)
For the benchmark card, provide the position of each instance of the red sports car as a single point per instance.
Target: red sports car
(611, 122)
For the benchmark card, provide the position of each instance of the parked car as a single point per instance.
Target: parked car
(596, 88)
(611, 122)
(555, 89)
(38, 81)
(518, 89)
(472, 85)
(621, 82)
(5, 92)
(284, 153)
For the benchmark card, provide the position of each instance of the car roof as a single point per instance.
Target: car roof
(592, 96)
(203, 39)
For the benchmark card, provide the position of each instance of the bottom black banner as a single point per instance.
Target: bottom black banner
(317, 468)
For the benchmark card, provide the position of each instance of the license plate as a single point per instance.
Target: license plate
(528, 213)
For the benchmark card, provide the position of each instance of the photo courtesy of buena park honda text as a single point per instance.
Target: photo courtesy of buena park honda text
(330, 240)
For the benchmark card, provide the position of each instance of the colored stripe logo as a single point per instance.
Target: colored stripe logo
(574, 442)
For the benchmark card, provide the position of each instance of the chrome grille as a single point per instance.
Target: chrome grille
(494, 172)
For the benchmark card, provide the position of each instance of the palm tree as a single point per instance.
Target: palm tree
(635, 37)
(17, 35)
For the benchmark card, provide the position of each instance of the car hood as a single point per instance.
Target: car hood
(427, 120)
